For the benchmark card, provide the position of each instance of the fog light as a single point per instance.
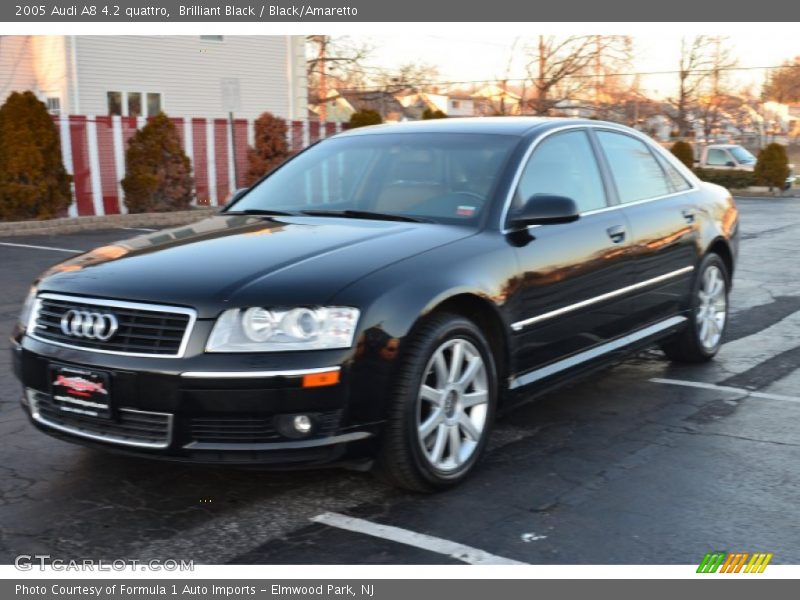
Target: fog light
(296, 426)
(302, 424)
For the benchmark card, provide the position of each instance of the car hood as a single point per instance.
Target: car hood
(226, 261)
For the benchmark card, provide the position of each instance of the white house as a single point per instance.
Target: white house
(453, 105)
(185, 76)
(459, 105)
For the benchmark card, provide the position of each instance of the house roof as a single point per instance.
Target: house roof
(493, 91)
(383, 102)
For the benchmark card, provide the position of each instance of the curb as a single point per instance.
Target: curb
(75, 224)
(750, 193)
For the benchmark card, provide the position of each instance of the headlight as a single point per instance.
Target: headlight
(27, 307)
(275, 330)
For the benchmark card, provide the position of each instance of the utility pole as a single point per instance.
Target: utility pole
(540, 81)
(231, 126)
(597, 68)
(323, 83)
(505, 79)
(715, 91)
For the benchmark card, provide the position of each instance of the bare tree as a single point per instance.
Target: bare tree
(783, 84)
(560, 69)
(502, 109)
(694, 66)
(715, 96)
(331, 63)
(614, 84)
(406, 77)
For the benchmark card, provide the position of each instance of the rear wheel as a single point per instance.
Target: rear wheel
(701, 339)
(442, 407)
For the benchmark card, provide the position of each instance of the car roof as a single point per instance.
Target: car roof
(491, 125)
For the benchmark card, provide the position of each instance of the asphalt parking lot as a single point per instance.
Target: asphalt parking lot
(645, 462)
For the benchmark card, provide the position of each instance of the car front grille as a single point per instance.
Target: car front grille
(144, 329)
(253, 430)
(139, 428)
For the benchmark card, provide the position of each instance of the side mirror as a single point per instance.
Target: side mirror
(730, 163)
(546, 209)
(234, 196)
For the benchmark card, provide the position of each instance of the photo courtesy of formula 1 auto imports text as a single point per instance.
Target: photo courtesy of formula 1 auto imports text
(383, 300)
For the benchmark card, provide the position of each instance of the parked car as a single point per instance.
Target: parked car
(732, 157)
(379, 296)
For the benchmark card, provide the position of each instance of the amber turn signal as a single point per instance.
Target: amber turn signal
(321, 379)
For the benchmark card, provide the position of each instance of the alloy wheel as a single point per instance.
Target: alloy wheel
(452, 405)
(712, 308)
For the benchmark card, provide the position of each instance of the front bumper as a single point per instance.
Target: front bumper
(205, 409)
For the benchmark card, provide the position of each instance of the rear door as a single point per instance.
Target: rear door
(566, 298)
(660, 207)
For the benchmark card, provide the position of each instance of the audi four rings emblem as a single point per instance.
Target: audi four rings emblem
(90, 325)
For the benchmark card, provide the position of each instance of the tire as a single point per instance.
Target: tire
(457, 415)
(702, 337)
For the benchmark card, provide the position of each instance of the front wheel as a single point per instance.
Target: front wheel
(442, 407)
(701, 339)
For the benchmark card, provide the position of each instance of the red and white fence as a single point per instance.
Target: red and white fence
(93, 149)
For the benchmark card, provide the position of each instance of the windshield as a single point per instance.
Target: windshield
(742, 156)
(440, 177)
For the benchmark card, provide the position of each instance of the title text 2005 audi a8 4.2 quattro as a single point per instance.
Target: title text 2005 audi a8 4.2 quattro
(379, 295)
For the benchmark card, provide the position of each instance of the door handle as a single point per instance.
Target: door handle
(688, 215)
(616, 233)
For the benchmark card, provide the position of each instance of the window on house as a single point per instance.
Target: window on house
(114, 103)
(212, 38)
(134, 104)
(53, 105)
(455, 104)
(153, 104)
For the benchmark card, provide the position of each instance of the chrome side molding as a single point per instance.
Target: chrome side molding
(591, 353)
(519, 325)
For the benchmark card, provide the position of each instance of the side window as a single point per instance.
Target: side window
(717, 157)
(676, 180)
(636, 171)
(564, 165)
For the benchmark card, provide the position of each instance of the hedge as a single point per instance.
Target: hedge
(730, 179)
(683, 152)
(363, 118)
(772, 167)
(158, 172)
(270, 148)
(33, 181)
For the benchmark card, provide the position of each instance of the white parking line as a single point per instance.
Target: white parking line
(726, 388)
(467, 554)
(41, 247)
(137, 229)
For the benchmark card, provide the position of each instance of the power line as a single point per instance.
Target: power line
(587, 76)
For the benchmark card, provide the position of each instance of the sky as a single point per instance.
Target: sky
(467, 57)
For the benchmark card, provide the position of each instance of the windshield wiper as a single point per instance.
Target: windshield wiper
(261, 211)
(364, 214)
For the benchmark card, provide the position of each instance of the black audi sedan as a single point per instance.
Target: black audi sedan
(374, 300)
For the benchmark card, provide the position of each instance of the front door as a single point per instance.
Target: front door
(568, 298)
